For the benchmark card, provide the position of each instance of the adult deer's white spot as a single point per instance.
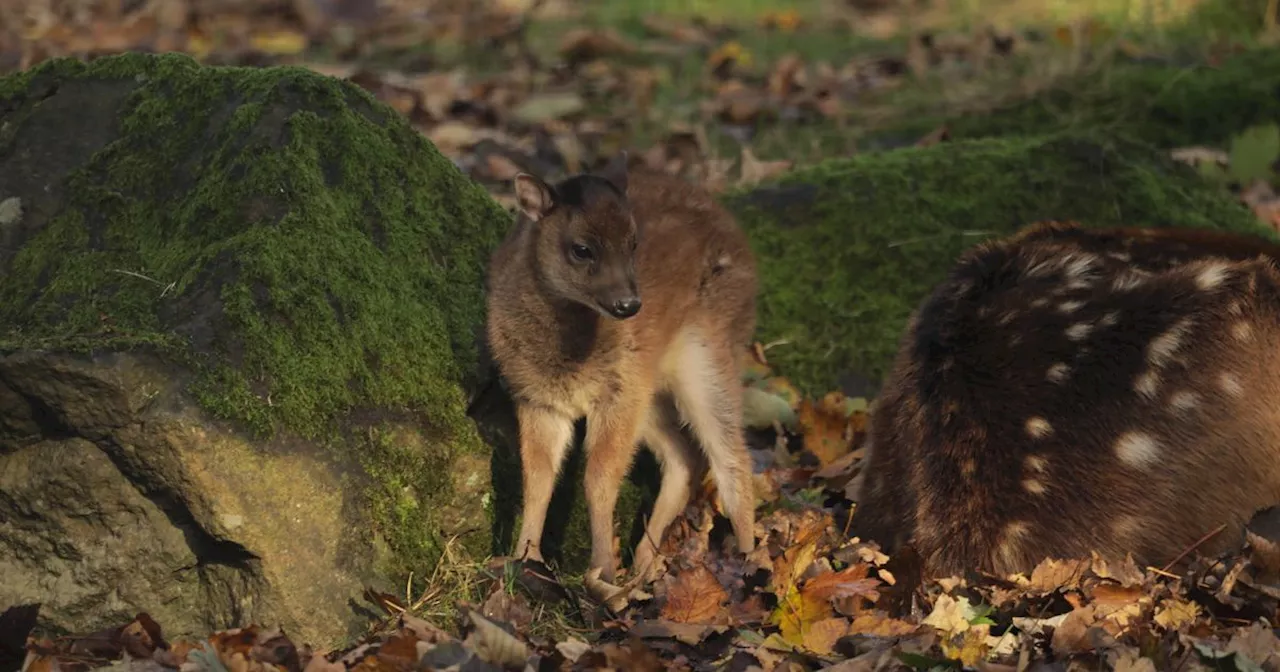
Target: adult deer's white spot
(1038, 428)
(1184, 400)
(1212, 275)
(1147, 384)
(1162, 347)
(1079, 331)
(1058, 373)
(1127, 281)
(1230, 384)
(1137, 449)
(1070, 306)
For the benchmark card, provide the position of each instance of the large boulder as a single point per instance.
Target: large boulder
(850, 246)
(238, 320)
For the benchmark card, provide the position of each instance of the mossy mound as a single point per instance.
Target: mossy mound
(849, 247)
(305, 262)
(1165, 104)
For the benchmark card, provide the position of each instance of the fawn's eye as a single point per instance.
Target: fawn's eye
(580, 252)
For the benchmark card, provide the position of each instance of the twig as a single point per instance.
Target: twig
(1199, 542)
(152, 280)
(900, 243)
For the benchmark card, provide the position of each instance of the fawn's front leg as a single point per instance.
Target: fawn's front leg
(544, 442)
(611, 443)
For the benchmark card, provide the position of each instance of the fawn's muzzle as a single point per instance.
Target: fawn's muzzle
(624, 308)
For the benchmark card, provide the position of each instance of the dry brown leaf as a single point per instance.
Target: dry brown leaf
(1074, 634)
(1258, 643)
(878, 623)
(827, 428)
(754, 170)
(950, 615)
(820, 637)
(694, 596)
(937, 135)
(586, 44)
(494, 644)
(1053, 574)
(1131, 661)
(1126, 573)
(848, 582)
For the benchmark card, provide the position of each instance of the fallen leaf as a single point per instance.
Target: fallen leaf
(754, 170)
(280, 43)
(1052, 575)
(820, 637)
(694, 596)
(827, 428)
(950, 616)
(1175, 614)
(543, 107)
(494, 644)
(877, 623)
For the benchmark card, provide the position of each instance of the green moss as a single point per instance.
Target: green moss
(1164, 104)
(849, 247)
(296, 242)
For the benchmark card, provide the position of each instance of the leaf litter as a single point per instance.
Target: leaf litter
(808, 597)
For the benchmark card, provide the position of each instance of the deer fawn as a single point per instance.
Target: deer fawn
(1068, 390)
(628, 299)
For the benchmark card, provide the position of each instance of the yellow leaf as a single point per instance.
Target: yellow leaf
(729, 52)
(796, 613)
(972, 647)
(950, 616)
(280, 42)
(1175, 614)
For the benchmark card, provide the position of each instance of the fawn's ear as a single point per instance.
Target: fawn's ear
(534, 197)
(616, 171)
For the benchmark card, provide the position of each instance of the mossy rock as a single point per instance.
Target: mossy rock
(257, 293)
(848, 248)
(1165, 104)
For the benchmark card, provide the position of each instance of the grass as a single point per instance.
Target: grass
(1187, 30)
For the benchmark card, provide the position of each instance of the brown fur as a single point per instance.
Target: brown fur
(636, 378)
(1001, 435)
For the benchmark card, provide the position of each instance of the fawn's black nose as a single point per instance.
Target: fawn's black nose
(624, 308)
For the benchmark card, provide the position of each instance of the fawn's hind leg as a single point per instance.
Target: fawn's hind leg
(681, 468)
(544, 442)
(708, 392)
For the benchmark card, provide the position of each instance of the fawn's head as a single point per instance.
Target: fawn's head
(587, 237)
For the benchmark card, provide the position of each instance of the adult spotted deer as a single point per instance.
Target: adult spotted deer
(1066, 390)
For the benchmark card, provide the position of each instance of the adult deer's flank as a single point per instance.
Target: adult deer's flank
(1067, 390)
(627, 299)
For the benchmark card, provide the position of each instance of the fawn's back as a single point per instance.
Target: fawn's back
(1068, 390)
